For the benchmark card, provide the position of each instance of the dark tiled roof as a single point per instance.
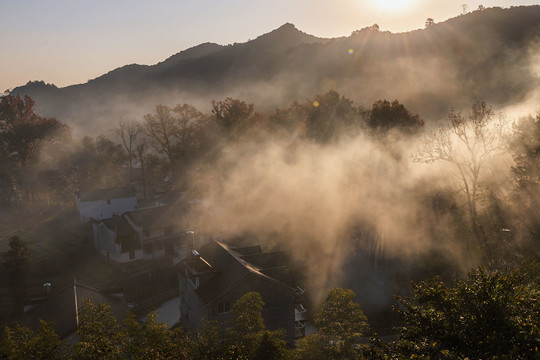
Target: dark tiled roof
(230, 269)
(118, 224)
(61, 307)
(159, 217)
(248, 250)
(104, 194)
(266, 260)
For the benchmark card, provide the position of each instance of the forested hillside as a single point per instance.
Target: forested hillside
(486, 54)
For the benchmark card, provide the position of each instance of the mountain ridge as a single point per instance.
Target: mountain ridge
(483, 54)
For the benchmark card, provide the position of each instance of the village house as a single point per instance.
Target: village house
(104, 203)
(146, 234)
(62, 307)
(214, 277)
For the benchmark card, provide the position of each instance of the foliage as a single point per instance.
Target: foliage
(246, 321)
(153, 340)
(271, 346)
(340, 317)
(330, 115)
(22, 130)
(524, 145)
(341, 322)
(385, 116)
(247, 336)
(208, 342)
(99, 333)
(22, 343)
(17, 265)
(487, 316)
(175, 132)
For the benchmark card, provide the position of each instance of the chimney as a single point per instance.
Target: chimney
(190, 242)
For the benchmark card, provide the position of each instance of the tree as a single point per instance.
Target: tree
(22, 343)
(160, 127)
(330, 115)
(466, 143)
(17, 266)
(385, 116)
(233, 115)
(23, 130)
(128, 132)
(486, 316)
(340, 317)
(246, 318)
(271, 346)
(100, 335)
(175, 132)
(524, 144)
(429, 22)
(341, 322)
(153, 340)
(247, 336)
(23, 134)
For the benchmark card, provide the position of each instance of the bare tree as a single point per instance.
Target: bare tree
(467, 142)
(160, 127)
(128, 132)
(174, 132)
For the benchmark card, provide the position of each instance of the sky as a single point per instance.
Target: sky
(66, 42)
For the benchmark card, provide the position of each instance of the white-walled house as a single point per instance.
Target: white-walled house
(104, 203)
(145, 234)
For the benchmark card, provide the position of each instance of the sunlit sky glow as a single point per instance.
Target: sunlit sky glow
(69, 42)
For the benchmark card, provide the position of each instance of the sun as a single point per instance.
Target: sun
(392, 5)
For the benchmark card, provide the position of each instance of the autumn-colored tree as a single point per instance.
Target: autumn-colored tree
(22, 130)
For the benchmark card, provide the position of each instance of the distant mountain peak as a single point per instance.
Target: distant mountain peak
(284, 37)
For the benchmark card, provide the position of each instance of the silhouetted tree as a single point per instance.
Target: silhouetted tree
(128, 132)
(330, 115)
(385, 116)
(466, 143)
(524, 145)
(233, 115)
(429, 22)
(160, 127)
(17, 265)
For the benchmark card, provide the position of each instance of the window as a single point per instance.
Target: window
(131, 254)
(224, 307)
(108, 202)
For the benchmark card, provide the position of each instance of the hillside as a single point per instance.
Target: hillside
(484, 55)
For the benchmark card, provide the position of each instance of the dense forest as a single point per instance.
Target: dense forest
(400, 220)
